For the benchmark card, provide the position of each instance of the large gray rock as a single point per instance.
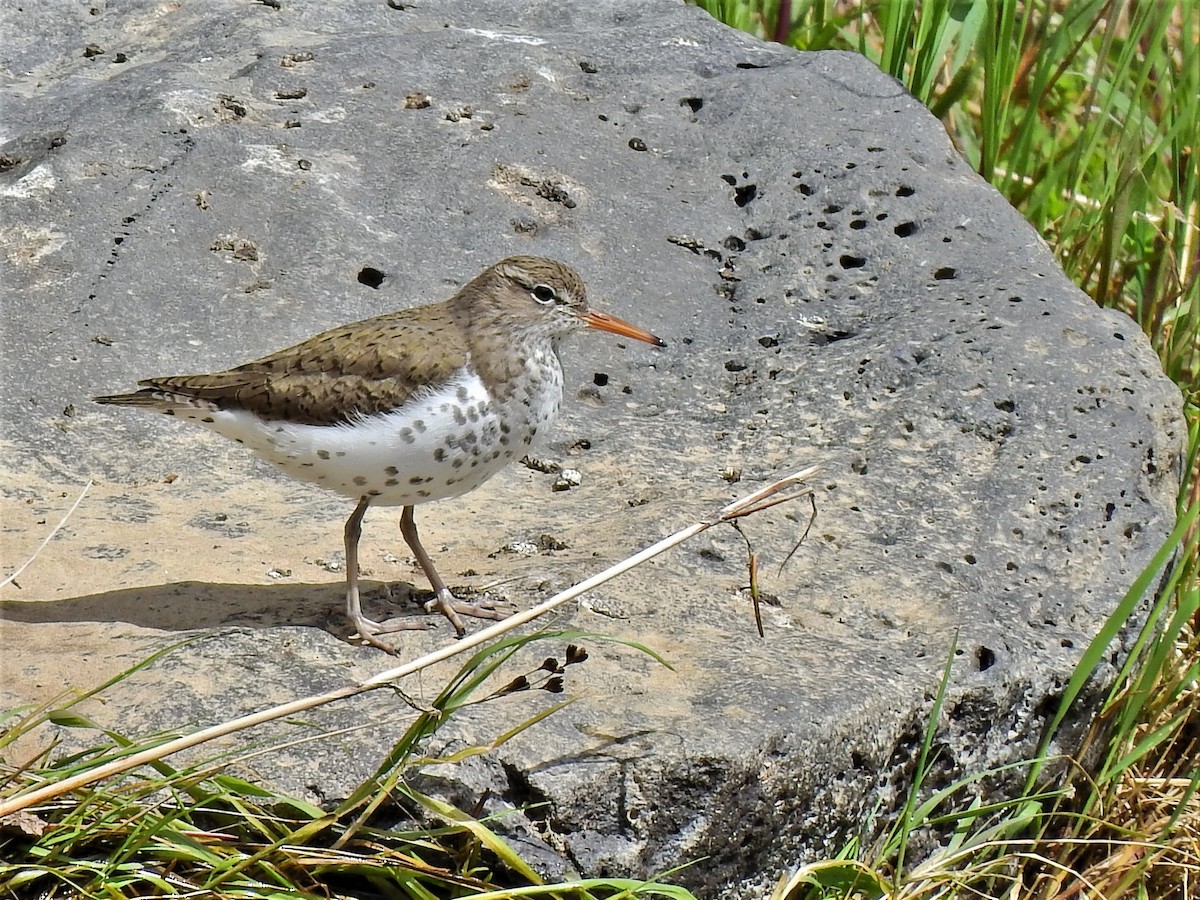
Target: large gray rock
(187, 186)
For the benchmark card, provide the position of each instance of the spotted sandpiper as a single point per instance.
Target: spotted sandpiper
(405, 408)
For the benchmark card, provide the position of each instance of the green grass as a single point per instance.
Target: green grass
(1083, 113)
(196, 829)
(1125, 827)
(116, 820)
(1086, 115)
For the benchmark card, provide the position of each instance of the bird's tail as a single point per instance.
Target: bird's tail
(147, 398)
(137, 398)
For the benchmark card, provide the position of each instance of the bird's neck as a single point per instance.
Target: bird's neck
(509, 363)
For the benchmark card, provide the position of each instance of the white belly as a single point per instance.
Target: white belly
(440, 444)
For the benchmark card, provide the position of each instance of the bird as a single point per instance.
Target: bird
(409, 407)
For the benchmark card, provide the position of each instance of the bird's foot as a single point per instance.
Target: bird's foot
(444, 602)
(485, 609)
(368, 630)
(453, 609)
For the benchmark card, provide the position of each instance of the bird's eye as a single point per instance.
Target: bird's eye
(543, 293)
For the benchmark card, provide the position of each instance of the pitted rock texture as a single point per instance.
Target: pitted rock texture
(189, 186)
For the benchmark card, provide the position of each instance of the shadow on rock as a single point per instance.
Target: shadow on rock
(189, 605)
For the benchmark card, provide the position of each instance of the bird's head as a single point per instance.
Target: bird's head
(544, 296)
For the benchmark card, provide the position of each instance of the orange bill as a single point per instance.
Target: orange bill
(604, 322)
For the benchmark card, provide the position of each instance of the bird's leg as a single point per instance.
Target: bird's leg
(443, 600)
(367, 629)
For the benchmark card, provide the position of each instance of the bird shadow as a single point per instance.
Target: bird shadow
(192, 605)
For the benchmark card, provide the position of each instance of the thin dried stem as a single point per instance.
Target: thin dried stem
(11, 579)
(731, 511)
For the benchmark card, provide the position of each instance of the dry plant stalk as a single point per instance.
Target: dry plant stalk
(738, 508)
(12, 579)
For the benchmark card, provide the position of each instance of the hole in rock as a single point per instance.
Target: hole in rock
(985, 657)
(744, 194)
(370, 276)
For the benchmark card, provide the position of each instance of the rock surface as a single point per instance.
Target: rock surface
(188, 186)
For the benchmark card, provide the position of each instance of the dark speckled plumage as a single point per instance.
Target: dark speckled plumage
(403, 408)
(377, 364)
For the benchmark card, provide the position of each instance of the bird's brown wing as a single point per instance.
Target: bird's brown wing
(366, 367)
